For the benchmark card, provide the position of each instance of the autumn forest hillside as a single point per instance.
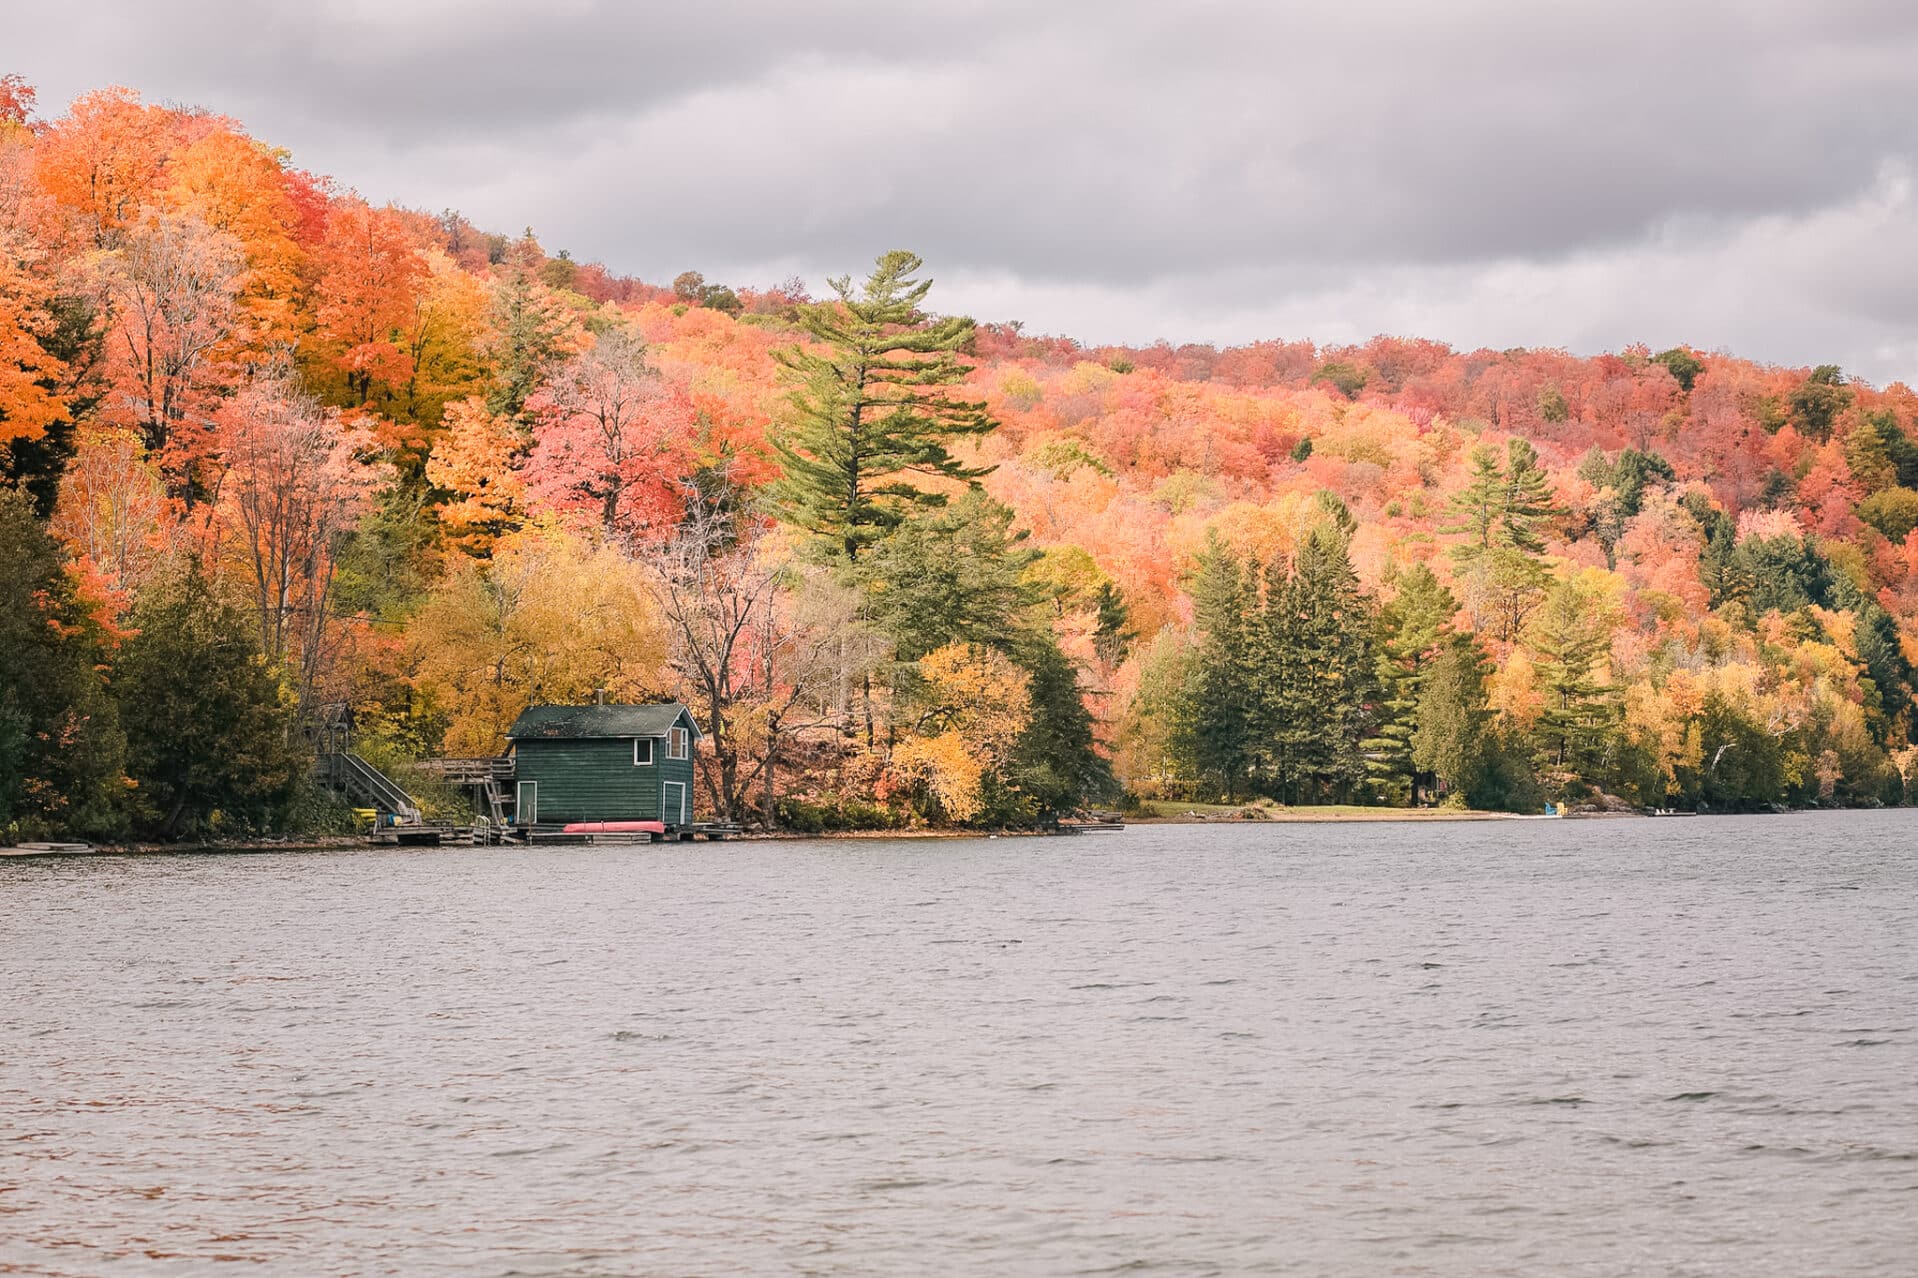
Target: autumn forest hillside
(273, 449)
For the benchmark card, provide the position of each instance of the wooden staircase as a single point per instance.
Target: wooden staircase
(367, 786)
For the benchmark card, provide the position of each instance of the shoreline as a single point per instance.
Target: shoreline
(1383, 815)
(1190, 817)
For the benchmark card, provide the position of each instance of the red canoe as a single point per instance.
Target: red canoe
(615, 827)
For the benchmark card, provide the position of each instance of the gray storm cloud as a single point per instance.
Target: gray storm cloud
(1583, 175)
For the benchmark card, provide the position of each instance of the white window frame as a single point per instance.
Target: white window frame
(647, 762)
(524, 812)
(679, 743)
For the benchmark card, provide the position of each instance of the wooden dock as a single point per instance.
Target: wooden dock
(439, 836)
(1093, 823)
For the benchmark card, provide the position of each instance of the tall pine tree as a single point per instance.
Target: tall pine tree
(1503, 512)
(1573, 737)
(534, 332)
(1315, 673)
(1213, 723)
(955, 575)
(874, 406)
(1412, 630)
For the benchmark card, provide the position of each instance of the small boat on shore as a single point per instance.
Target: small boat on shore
(48, 849)
(613, 827)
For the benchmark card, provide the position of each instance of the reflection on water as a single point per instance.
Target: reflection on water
(1673, 1047)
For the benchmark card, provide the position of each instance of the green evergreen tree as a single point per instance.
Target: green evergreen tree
(1112, 633)
(1474, 756)
(1741, 766)
(874, 405)
(1528, 503)
(1477, 507)
(1413, 628)
(1212, 729)
(1683, 364)
(1452, 718)
(1818, 402)
(1785, 573)
(1887, 676)
(1502, 512)
(62, 750)
(1720, 568)
(1575, 727)
(1316, 673)
(1898, 446)
(1880, 454)
(207, 727)
(1056, 768)
(1506, 503)
(1279, 697)
(1503, 780)
(953, 574)
(532, 330)
(1868, 455)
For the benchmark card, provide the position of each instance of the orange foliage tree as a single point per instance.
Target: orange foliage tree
(474, 460)
(103, 160)
(27, 372)
(236, 186)
(370, 276)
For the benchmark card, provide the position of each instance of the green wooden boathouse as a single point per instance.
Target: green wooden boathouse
(604, 763)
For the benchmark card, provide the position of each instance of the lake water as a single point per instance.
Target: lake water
(1673, 1047)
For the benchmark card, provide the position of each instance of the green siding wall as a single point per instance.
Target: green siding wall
(595, 780)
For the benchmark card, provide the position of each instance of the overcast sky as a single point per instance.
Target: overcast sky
(1732, 175)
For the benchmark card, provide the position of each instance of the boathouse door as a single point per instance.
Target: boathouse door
(526, 805)
(675, 805)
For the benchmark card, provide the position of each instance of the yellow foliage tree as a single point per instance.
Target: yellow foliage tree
(1662, 723)
(976, 704)
(448, 330)
(550, 619)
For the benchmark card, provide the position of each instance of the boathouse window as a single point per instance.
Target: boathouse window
(676, 744)
(643, 752)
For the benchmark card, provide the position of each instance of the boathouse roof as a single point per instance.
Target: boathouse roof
(552, 723)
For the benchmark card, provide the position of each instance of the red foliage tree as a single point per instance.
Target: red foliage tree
(612, 439)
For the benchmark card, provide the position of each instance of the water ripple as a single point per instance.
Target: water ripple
(1558, 1047)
